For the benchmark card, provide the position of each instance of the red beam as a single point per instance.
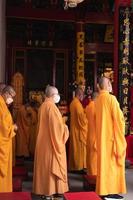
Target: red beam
(40, 14)
(57, 15)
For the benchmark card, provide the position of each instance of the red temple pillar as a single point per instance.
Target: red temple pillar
(2, 40)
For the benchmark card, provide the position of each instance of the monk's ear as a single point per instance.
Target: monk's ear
(98, 86)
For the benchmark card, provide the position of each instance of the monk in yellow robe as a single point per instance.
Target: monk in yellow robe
(111, 144)
(23, 122)
(78, 133)
(91, 151)
(7, 132)
(50, 166)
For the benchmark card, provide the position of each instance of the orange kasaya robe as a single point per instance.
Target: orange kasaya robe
(111, 145)
(50, 166)
(78, 136)
(13, 151)
(32, 129)
(6, 135)
(23, 134)
(91, 151)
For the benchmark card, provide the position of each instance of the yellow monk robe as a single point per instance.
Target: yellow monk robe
(32, 129)
(78, 136)
(23, 134)
(111, 145)
(91, 152)
(6, 135)
(50, 166)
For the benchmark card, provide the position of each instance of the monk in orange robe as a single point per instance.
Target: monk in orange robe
(78, 133)
(50, 166)
(111, 144)
(22, 138)
(7, 132)
(33, 113)
(91, 151)
(14, 151)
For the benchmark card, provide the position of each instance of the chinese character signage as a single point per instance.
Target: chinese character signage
(124, 65)
(80, 58)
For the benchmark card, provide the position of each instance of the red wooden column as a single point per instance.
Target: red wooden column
(118, 3)
(2, 40)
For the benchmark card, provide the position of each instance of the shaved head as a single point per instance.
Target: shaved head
(2, 86)
(94, 95)
(105, 84)
(10, 90)
(79, 93)
(102, 82)
(50, 91)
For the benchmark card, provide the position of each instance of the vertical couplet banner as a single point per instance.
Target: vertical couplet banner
(124, 65)
(80, 57)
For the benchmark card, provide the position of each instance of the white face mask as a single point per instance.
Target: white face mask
(9, 100)
(56, 98)
(110, 88)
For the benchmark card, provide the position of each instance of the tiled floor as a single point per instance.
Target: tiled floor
(129, 181)
(76, 184)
